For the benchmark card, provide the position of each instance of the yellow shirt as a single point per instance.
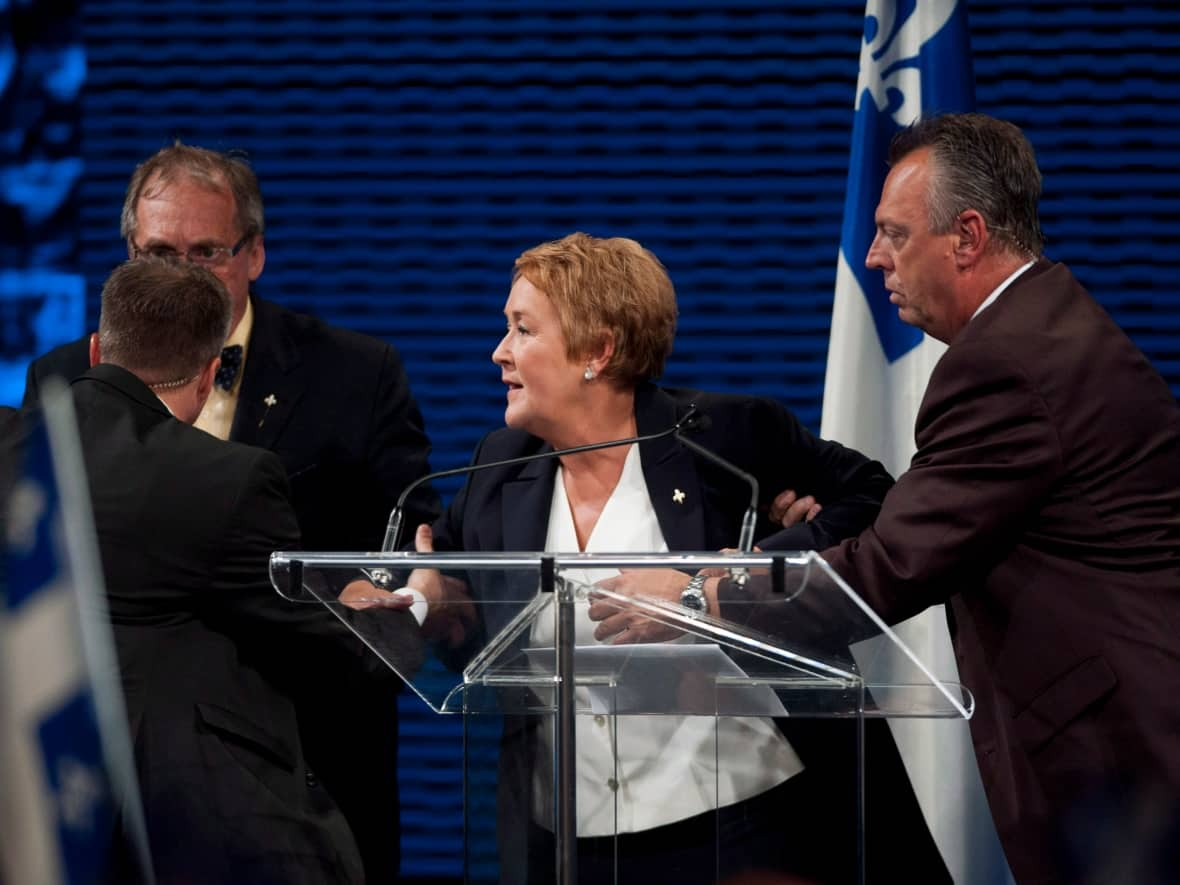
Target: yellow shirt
(217, 417)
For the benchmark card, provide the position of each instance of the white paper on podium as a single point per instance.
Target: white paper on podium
(663, 678)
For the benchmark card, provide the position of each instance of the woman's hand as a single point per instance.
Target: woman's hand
(621, 623)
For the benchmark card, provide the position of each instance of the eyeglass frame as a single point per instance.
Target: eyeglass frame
(221, 254)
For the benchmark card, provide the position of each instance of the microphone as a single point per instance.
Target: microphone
(393, 529)
(750, 518)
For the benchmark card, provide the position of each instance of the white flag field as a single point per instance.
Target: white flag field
(915, 60)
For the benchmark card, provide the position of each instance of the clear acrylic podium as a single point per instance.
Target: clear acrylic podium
(562, 733)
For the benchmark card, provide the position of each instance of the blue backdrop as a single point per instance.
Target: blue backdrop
(408, 151)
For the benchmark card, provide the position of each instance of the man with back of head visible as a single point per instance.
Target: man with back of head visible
(335, 406)
(185, 525)
(1043, 503)
(164, 324)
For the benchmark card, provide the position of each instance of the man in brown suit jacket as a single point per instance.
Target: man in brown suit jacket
(1043, 503)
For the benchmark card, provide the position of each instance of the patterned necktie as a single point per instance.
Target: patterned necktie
(231, 362)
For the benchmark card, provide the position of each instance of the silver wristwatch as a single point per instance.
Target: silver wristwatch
(693, 596)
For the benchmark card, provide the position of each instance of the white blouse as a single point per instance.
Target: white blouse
(652, 770)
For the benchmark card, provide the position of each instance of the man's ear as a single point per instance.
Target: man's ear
(972, 237)
(95, 352)
(256, 258)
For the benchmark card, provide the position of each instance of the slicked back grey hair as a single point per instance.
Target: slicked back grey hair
(984, 164)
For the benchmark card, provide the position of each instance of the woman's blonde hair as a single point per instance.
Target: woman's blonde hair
(607, 285)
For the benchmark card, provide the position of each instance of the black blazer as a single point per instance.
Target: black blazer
(350, 436)
(507, 509)
(185, 526)
(344, 422)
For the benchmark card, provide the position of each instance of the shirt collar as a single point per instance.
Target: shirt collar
(241, 333)
(987, 302)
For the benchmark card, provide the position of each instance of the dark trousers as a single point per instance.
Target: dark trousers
(803, 832)
(758, 840)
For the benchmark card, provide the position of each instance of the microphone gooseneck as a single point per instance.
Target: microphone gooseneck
(393, 529)
(750, 518)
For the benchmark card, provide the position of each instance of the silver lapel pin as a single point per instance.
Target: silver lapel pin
(271, 401)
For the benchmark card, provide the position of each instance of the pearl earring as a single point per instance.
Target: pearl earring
(588, 374)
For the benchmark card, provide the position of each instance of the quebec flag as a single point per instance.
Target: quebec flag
(65, 759)
(915, 60)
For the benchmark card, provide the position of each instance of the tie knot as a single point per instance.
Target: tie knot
(231, 362)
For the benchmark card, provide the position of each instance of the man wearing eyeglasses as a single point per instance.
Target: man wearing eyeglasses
(334, 405)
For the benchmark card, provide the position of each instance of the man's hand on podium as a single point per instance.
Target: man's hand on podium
(450, 614)
(440, 603)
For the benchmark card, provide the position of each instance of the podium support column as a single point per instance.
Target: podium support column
(565, 743)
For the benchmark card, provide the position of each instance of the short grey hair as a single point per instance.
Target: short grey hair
(984, 164)
(217, 171)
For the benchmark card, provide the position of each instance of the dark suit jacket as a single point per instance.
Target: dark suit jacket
(185, 526)
(1044, 502)
(351, 437)
(508, 509)
(344, 422)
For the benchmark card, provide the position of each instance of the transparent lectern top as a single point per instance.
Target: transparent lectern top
(795, 640)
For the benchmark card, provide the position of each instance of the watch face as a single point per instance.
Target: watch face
(693, 597)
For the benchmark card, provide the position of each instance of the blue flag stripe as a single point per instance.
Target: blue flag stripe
(897, 48)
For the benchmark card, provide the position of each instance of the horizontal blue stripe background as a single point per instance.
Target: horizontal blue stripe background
(409, 151)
